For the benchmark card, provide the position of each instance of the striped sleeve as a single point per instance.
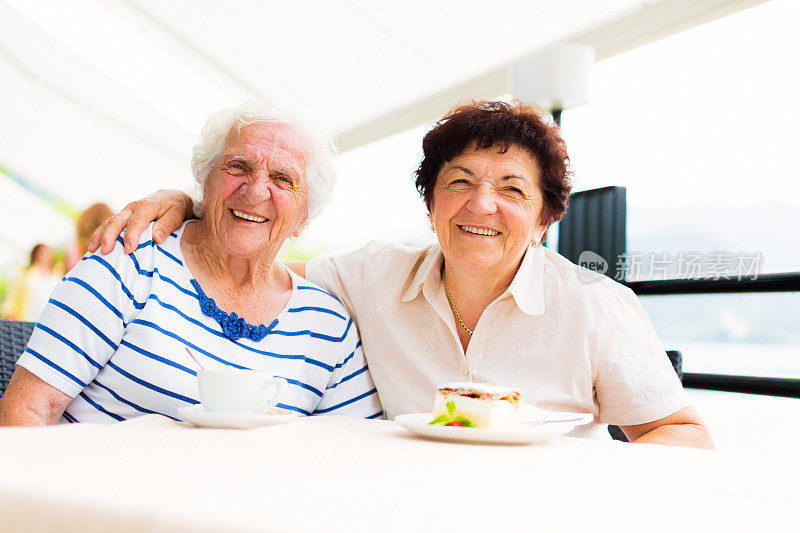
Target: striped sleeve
(84, 320)
(350, 390)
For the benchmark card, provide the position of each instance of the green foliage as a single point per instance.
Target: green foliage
(4, 283)
(297, 250)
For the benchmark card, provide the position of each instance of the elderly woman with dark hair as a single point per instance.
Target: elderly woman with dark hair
(488, 302)
(112, 342)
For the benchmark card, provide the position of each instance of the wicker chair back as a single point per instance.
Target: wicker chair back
(14, 337)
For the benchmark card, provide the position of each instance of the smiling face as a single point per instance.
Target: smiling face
(486, 208)
(256, 193)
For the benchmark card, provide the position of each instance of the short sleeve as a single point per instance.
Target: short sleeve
(84, 320)
(350, 390)
(635, 380)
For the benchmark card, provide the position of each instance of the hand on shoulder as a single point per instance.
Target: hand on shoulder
(167, 207)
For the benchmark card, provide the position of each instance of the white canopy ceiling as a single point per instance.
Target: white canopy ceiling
(102, 100)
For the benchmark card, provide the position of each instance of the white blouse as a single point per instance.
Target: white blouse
(569, 339)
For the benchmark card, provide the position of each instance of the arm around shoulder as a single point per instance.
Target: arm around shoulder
(169, 208)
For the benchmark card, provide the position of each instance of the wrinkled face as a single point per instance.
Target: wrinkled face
(485, 207)
(256, 193)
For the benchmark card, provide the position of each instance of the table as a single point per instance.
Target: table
(344, 474)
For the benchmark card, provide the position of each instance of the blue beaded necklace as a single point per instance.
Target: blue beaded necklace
(233, 326)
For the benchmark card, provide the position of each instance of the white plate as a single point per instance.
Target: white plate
(195, 415)
(555, 425)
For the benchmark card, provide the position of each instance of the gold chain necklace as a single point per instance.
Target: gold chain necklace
(453, 306)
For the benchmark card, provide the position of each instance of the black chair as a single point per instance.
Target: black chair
(595, 222)
(14, 337)
(676, 359)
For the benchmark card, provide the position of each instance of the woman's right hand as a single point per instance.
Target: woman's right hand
(168, 207)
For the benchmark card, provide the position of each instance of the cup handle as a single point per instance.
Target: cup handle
(277, 386)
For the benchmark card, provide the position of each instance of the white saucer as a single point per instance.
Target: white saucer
(555, 425)
(195, 415)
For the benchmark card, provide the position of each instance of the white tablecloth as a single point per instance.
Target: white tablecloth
(343, 474)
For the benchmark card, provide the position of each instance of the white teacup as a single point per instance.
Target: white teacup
(238, 391)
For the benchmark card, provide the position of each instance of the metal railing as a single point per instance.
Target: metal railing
(782, 282)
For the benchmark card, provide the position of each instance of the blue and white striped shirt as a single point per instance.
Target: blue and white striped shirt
(115, 331)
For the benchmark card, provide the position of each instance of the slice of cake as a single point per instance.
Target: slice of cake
(478, 405)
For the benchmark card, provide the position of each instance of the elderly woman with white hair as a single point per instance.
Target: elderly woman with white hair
(111, 343)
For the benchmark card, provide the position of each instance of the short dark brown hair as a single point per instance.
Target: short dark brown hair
(490, 123)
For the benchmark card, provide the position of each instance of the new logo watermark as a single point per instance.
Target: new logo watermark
(595, 265)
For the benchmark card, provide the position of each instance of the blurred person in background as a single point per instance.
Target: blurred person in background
(85, 224)
(29, 293)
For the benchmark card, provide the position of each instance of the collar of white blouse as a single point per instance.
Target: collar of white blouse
(527, 288)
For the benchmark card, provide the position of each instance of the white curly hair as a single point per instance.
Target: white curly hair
(320, 150)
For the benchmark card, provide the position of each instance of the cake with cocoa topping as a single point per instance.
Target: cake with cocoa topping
(478, 405)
